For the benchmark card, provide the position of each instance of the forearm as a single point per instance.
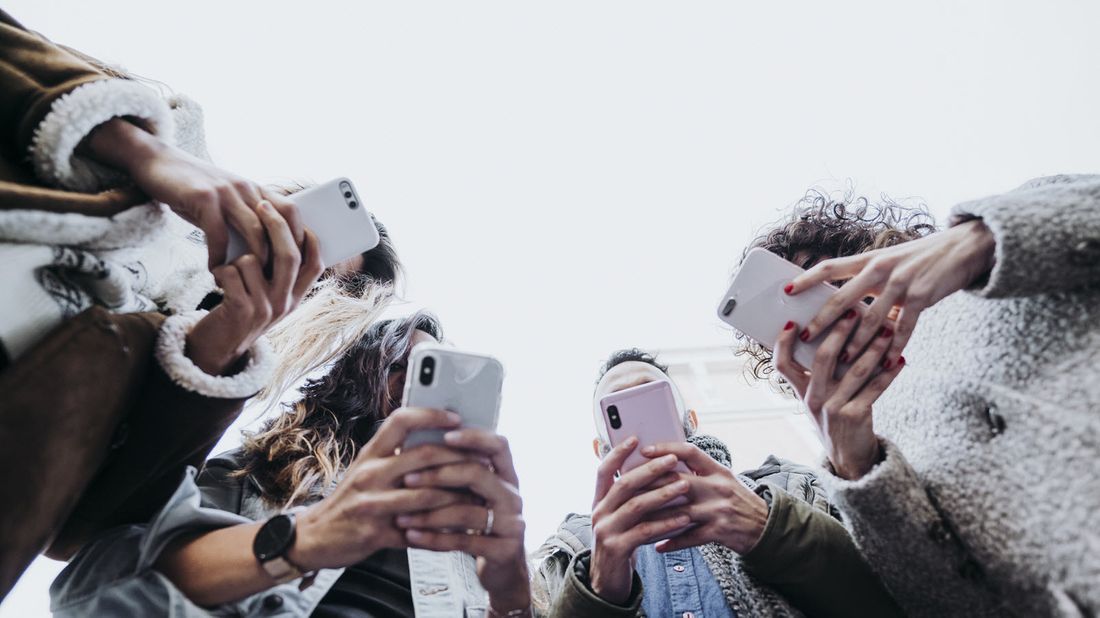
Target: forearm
(1047, 236)
(121, 144)
(216, 567)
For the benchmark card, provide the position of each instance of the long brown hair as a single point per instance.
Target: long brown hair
(300, 453)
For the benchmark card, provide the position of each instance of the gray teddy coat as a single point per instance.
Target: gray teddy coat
(988, 500)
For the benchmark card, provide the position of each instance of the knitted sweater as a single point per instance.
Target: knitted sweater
(987, 500)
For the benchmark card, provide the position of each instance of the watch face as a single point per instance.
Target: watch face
(274, 538)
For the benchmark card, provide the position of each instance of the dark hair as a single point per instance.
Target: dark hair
(823, 226)
(300, 452)
(630, 355)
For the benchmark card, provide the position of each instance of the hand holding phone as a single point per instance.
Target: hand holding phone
(757, 304)
(335, 214)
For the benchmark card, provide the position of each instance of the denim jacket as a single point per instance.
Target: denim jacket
(680, 583)
(114, 576)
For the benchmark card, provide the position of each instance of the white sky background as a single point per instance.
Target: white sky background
(563, 179)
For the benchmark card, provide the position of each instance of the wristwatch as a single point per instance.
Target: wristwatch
(272, 542)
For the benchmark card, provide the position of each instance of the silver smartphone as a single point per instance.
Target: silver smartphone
(448, 379)
(334, 212)
(756, 304)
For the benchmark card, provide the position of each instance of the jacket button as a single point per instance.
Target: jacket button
(679, 568)
(938, 532)
(996, 421)
(273, 602)
(1085, 253)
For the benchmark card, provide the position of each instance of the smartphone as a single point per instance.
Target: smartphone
(335, 214)
(447, 379)
(756, 304)
(648, 412)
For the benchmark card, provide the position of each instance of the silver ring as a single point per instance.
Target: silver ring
(488, 523)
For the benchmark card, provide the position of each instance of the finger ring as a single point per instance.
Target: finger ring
(488, 523)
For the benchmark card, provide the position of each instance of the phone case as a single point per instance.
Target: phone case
(342, 224)
(648, 412)
(756, 304)
(465, 383)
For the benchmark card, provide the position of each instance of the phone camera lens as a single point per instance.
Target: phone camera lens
(613, 417)
(353, 204)
(427, 371)
(347, 193)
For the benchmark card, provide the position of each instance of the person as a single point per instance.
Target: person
(969, 484)
(764, 543)
(110, 215)
(377, 531)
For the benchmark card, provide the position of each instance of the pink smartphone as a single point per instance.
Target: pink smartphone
(648, 412)
(756, 304)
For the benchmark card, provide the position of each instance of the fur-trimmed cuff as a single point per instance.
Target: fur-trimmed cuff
(73, 116)
(170, 354)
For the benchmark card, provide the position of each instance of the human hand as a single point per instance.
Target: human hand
(909, 278)
(357, 520)
(252, 302)
(198, 191)
(623, 517)
(498, 542)
(722, 508)
(841, 409)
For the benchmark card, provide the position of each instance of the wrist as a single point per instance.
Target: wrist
(979, 245)
(752, 526)
(855, 468)
(210, 350)
(306, 552)
(607, 583)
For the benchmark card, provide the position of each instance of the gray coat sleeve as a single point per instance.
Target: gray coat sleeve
(1047, 233)
(895, 522)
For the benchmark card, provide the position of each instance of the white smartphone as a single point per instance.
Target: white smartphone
(335, 214)
(756, 304)
(447, 379)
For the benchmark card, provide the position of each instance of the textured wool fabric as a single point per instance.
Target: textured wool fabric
(987, 500)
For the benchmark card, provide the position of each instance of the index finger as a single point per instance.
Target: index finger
(833, 269)
(692, 455)
(285, 207)
(400, 423)
(488, 443)
(605, 474)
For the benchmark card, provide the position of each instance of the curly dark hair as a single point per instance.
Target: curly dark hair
(629, 355)
(300, 452)
(823, 226)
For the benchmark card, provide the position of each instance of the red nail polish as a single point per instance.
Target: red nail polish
(886, 332)
(901, 361)
(789, 326)
(887, 364)
(849, 314)
(804, 335)
(844, 357)
(788, 288)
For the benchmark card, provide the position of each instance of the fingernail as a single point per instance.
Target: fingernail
(901, 361)
(886, 332)
(454, 417)
(849, 314)
(414, 535)
(788, 326)
(412, 478)
(887, 364)
(680, 486)
(264, 205)
(452, 437)
(668, 459)
(683, 520)
(649, 450)
(404, 520)
(804, 335)
(844, 357)
(787, 289)
(632, 441)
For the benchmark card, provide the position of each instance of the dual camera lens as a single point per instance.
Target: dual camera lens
(613, 417)
(427, 371)
(349, 196)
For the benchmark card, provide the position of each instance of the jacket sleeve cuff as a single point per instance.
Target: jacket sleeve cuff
(1047, 235)
(578, 600)
(72, 118)
(170, 351)
(768, 554)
